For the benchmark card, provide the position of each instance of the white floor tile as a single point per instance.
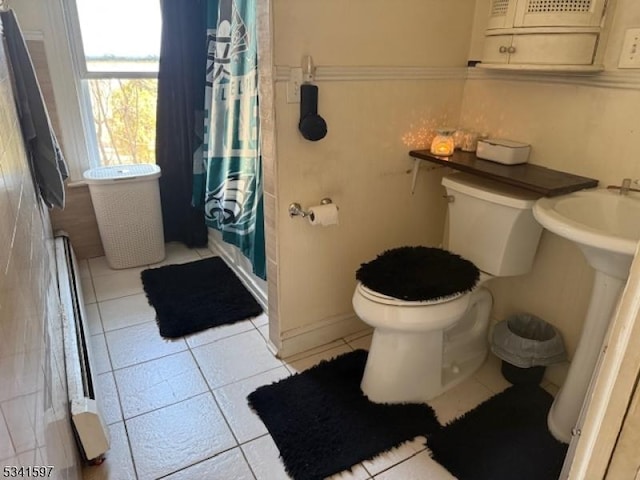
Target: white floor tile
(178, 253)
(308, 362)
(116, 285)
(89, 294)
(29, 458)
(172, 438)
(83, 268)
(264, 459)
(232, 399)
(18, 413)
(218, 333)
(107, 395)
(173, 249)
(205, 252)
(490, 376)
(100, 362)
(419, 467)
(99, 267)
(261, 320)
(158, 383)
(126, 312)
(229, 465)
(175, 425)
(93, 322)
(140, 343)
(358, 472)
(6, 447)
(394, 456)
(552, 388)
(234, 358)
(118, 464)
(460, 399)
(178, 260)
(264, 331)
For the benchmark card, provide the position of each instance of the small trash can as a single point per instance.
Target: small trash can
(526, 345)
(126, 200)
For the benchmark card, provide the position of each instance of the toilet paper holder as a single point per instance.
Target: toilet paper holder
(295, 210)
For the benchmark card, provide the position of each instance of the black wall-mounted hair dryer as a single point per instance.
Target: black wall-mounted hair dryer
(312, 126)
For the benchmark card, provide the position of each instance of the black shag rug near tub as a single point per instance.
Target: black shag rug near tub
(195, 296)
(504, 438)
(323, 424)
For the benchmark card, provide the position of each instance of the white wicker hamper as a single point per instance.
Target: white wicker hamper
(126, 199)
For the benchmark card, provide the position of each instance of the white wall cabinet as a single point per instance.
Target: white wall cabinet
(544, 35)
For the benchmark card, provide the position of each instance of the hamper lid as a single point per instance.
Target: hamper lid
(119, 173)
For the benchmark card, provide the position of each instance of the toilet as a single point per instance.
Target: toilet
(423, 347)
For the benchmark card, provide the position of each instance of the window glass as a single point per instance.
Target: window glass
(118, 65)
(124, 115)
(120, 35)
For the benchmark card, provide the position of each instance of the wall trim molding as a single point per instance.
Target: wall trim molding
(614, 79)
(325, 331)
(377, 73)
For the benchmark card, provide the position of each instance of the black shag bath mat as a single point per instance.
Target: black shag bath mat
(419, 273)
(504, 438)
(323, 424)
(195, 296)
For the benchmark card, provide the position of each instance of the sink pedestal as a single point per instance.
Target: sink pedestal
(602, 225)
(565, 410)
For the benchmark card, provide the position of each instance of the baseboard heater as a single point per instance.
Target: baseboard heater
(88, 425)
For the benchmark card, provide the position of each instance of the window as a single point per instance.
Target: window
(117, 50)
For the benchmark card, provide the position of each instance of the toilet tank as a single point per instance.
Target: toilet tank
(492, 224)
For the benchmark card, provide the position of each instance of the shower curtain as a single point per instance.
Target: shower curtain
(228, 182)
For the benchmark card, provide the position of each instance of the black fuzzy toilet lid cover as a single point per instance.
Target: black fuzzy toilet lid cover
(419, 273)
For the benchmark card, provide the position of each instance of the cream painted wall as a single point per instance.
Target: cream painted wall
(373, 32)
(362, 165)
(31, 14)
(35, 428)
(587, 130)
(363, 162)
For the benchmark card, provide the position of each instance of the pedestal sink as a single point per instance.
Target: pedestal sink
(606, 227)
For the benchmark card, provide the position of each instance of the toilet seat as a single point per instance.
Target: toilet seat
(388, 300)
(379, 310)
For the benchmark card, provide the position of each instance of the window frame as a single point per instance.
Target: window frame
(81, 78)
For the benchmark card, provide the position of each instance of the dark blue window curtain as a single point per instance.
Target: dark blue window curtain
(180, 116)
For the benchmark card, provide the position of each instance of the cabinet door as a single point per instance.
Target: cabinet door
(502, 14)
(553, 49)
(559, 13)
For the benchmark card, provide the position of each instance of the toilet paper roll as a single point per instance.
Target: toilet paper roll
(323, 215)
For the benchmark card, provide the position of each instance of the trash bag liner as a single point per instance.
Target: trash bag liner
(525, 340)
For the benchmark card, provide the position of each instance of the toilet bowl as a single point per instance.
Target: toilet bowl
(421, 348)
(407, 359)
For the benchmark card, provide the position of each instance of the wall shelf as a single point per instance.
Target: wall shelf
(546, 181)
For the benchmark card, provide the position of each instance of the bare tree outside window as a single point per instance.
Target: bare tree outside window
(124, 112)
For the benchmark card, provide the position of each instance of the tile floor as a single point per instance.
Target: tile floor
(177, 409)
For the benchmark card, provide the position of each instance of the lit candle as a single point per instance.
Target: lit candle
(443, 143)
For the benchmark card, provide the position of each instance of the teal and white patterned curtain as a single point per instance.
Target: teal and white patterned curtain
(229, 179)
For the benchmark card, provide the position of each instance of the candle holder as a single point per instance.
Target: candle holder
(443, 143)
